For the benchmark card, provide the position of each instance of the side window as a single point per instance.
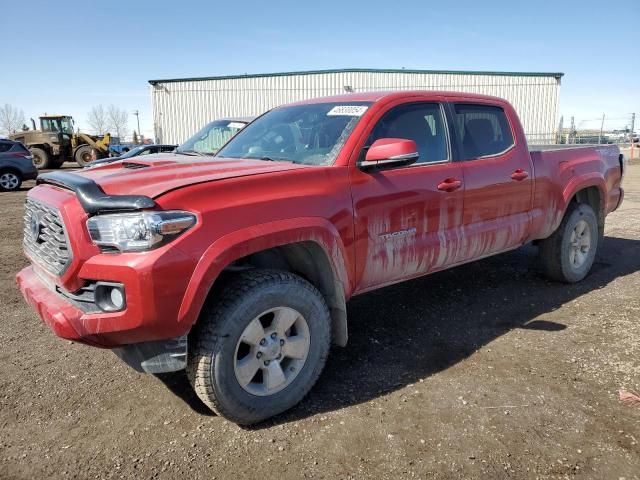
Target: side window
(4, 147)
(483, 130)
(421, 122)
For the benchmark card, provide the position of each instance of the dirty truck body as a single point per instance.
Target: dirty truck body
(237, 267)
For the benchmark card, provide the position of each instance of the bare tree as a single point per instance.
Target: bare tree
(11, 119)
(98, 120)
(117, 120)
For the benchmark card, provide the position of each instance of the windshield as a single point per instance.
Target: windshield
(67, 125)
(212, 136)
(310, 134)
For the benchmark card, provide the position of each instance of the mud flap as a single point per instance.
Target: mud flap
(155, 357)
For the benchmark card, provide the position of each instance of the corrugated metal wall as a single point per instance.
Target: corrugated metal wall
(181, 108)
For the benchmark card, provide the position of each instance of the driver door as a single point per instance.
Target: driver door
(408, 219)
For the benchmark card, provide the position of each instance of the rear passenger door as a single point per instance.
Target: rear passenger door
(497, 176)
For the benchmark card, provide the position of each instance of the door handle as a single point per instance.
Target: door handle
(519, 175)
(449, 185)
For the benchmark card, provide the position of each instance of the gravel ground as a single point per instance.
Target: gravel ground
(484, 371)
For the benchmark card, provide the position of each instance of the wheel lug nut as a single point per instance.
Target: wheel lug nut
(259, 355)
(281, 342)
(274, 335)
(266, 363)
(263, 342)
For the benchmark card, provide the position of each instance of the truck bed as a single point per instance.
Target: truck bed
(562, 169)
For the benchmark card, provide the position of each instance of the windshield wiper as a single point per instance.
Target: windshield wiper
(191, 153)
(269, 159)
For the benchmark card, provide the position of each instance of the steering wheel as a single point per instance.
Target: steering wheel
(281, 139)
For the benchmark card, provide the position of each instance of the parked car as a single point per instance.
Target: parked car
(206, 142)
(210, 138)
(134, 152)
(16, 165)
(116, 148)
(238, 267)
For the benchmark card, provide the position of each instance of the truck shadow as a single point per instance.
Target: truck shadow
(407, 332)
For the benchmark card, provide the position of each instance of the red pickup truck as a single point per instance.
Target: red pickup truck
(238, 266)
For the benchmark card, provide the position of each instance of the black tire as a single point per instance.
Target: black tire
(555, 251)
(82, 155)
(41, 158)
(10, 180)
(212, 344)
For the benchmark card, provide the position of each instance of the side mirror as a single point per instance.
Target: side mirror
(389, 153)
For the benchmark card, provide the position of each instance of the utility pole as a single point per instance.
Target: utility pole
(137, 114)
(572, 131)
(601, 128)
(559, 136)
(633, 126)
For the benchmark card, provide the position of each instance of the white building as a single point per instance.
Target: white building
(182, 106)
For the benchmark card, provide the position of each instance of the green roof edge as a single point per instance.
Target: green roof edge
(358, 70)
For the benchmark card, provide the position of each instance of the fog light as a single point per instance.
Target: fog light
(117, 298)
(110, 297)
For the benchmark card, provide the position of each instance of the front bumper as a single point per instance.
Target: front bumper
(148, 317)
(62, 317)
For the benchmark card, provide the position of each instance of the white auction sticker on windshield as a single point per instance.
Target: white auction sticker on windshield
(347, 110)
(236, 125)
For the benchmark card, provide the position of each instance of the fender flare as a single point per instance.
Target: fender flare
(246, 241)
(577, 184)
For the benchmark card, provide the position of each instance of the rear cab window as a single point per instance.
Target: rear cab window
(483, 130)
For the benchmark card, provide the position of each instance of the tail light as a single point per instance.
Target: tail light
(21, 155)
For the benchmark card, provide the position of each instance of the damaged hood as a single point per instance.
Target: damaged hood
(158, 174)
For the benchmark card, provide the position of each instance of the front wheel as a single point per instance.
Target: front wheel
(82, 155)
(568, 254)
(259, 346)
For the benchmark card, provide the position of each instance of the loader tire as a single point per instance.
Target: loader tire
(41, 158)
(82, 155)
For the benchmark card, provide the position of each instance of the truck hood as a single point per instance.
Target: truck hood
(158, 174)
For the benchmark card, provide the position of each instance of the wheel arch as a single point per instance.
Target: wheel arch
(42, 146)
(12, 170)
(591, 191)
(311, 248)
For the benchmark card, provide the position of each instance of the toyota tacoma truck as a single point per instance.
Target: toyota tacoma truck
(237, 267)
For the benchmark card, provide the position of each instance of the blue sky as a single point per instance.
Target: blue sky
(67, 57)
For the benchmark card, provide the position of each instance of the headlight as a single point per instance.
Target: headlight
(135, 232)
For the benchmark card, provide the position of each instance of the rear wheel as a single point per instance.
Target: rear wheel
(10, 180)
(82, 155)
(568, 254)
(41, 158)
(259, 346)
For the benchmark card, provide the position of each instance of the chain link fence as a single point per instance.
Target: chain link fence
(607, 129)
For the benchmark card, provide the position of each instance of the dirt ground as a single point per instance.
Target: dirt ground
(484, 371)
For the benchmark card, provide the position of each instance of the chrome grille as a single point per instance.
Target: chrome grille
(45, 239)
